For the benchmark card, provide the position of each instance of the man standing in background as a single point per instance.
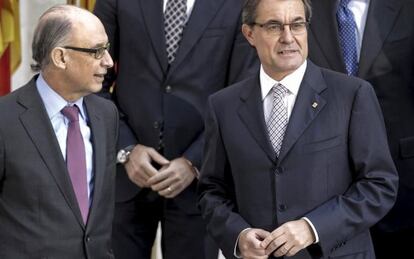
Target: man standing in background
(374, 40)
(170, 56)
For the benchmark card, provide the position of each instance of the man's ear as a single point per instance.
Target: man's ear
(247, 31)
(58, 57)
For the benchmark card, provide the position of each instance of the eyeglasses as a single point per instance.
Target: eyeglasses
(98, 52)
(276, 28)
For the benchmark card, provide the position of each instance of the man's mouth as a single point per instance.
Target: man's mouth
(287, 51)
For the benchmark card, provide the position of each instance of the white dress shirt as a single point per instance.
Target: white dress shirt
(190, 6)
(54, 103)
(291, 82)
(360, 10)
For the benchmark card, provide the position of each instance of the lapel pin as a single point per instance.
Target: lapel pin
(314, 105)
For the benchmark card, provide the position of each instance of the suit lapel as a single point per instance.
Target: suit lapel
(152, 12)
(37, 125)
(325, 31)
(99, 148)
(380, 19)
(203, 12)
(252, 115)
(307, 106)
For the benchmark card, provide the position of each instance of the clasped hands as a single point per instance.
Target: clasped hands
(286, 240)
(169, 181)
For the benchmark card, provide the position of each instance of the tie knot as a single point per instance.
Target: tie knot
(279, 91)
(71, 113)
(344, 3)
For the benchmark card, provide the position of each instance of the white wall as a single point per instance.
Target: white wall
(30, 11)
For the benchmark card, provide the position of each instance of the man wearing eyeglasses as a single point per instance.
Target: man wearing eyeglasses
(297, 161)
(170, 55)
(57, 145)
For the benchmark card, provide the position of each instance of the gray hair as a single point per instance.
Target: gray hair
(250, 7)
(53, 30)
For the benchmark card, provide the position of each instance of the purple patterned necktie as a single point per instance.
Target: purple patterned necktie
(76, 160)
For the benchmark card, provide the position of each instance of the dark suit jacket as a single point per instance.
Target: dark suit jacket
(334, 166)
(387, 62)
(162, 106)
(39, 214)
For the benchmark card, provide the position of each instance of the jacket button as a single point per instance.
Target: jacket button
(168, 89)
(88, 239)
(156, 125)
(282, 207)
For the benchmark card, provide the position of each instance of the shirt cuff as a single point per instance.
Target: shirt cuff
(315, 233)
(194, 169)
(236, 252)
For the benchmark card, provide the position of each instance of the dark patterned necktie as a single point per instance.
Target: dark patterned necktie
(277, 122)
(76, 159)
(347, 37)
(174, 20)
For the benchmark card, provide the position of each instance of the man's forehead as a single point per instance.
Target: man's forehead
(281, 8)
(91, 31)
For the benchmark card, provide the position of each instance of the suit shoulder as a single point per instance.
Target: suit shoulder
(103, 102)
(104, 107)
(234, 90)
(342, 81)
(10, 99)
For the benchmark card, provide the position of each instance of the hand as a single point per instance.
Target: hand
(139, 167)
(172, 178)
(289, 238)
(250, 244)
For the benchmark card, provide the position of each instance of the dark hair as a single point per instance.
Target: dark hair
(250, 7)
(52, 31)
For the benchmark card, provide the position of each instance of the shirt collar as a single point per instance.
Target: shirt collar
(53, 102)
(291, 82)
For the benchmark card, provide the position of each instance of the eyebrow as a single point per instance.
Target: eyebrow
(99, 45)
(297, 19)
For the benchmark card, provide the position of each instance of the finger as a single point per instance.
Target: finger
(136, 176)
(276, 244)
(149, 170)
(140, 163)
(294, 250)
(161, 185)
(170, 192)
(136, 179)
(254, 239)
(261, 234)
(161, 178)
(274, 235)
(157, 157)
(284, 249)
(281, 251)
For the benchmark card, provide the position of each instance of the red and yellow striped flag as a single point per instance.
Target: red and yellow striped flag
(87, 4)
(10, 52)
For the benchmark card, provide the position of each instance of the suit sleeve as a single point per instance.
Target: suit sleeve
(106, 11)
(373, 191)
(195, 152)
(216, 191)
